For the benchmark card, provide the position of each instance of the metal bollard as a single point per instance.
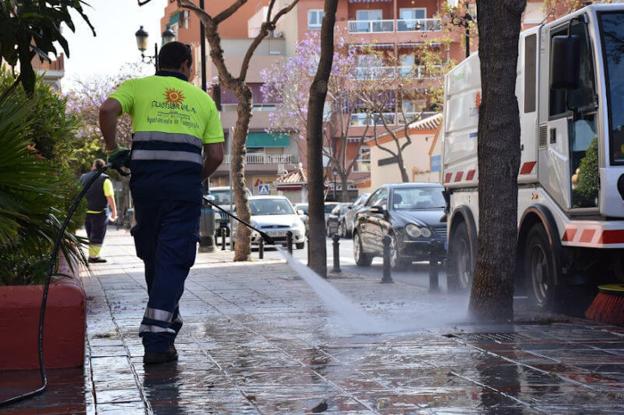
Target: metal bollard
(308, 247)
(261, 248)
(336, 246)
(387, 273)
(223, 233)
(289, 242)
(434, 284)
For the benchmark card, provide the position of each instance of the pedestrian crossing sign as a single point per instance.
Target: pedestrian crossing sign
(264, 189)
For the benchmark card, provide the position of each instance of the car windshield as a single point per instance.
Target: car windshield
(612, 25)
(302, 207)
(329, 207)
(413, 198)
(261, 207)
(222, 197)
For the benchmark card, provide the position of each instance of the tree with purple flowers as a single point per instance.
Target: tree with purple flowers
(288, 84)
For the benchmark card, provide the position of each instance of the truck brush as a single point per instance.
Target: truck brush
(608, 306)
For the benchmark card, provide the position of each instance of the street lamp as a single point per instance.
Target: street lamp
(335, 174)
(463, 20)
(168, 35)
(142, 39)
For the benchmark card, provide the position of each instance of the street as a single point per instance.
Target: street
(417, 275)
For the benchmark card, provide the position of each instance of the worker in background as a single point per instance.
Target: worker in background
(177, 143)
(99, 196)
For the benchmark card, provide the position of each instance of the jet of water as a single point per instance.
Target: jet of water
(358, 321)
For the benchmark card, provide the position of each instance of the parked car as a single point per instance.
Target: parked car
(335, 217)
(329, 206)
(302, 211)
(223, 197)
(412, 214)
(275, 216)
(303, 207)
(345, 228)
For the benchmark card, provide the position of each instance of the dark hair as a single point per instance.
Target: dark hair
(173, 54)
(99, 164)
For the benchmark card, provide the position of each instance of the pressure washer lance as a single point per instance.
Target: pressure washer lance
(264, 236)
(46, 286)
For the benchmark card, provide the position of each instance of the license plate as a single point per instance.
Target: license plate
(277, 234)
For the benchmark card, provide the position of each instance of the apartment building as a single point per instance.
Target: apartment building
(268, 155)
(396, 30)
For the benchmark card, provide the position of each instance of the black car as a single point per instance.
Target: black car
(412, 214)
(335, 217)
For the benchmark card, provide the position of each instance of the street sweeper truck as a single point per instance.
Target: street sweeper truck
(570, 90)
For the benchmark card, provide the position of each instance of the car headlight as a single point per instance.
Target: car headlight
(297, 224)
(415, 231)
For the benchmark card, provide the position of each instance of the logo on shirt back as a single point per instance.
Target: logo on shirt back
(174, 96)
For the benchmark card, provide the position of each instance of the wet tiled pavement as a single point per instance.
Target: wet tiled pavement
(256, 339)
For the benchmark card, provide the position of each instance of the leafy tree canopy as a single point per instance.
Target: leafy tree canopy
(31, 28)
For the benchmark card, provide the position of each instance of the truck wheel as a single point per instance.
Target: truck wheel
(539, 269)
(460, 261)
(361, 259)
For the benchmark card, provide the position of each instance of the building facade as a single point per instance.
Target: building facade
(389, 38)
(268, 155)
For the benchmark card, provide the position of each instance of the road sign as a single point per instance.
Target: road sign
(264, 189)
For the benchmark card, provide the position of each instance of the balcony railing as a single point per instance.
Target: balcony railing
(398, 25)
(419, 25)
(361, 120)
(363, 73)
(371, 26)
(260, 158)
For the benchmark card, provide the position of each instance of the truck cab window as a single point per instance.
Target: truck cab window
(579, 106)
(612, 33)
(582, 99)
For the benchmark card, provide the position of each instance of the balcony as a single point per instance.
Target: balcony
(398, 25)
(371, 26)
(419, 25)
(265, 159)
(363, 119)
(371, 73)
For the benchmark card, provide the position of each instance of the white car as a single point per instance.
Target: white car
(275, 216)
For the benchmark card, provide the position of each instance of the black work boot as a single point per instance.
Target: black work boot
(154, 358)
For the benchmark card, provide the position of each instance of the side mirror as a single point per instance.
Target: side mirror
(377, 209)
(565, 62)
(300, 212)
(210, 198)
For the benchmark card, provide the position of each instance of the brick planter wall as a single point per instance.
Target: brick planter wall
(64, 330)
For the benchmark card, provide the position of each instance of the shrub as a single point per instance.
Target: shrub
(35, 187)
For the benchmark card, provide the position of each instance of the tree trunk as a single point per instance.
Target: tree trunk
(344, 194)
(237, 166)
(499, 160)
(401, 163)
(314, 130)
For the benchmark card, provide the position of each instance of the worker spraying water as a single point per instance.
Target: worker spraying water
(177, 142)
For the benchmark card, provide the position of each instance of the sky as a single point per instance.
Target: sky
(115, 23)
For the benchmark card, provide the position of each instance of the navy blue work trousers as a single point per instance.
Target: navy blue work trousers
(165, 236)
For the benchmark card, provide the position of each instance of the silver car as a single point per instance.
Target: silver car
(276, 216)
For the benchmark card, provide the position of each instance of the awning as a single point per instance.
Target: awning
(370, 1)
(175, 18)
(260, 139)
